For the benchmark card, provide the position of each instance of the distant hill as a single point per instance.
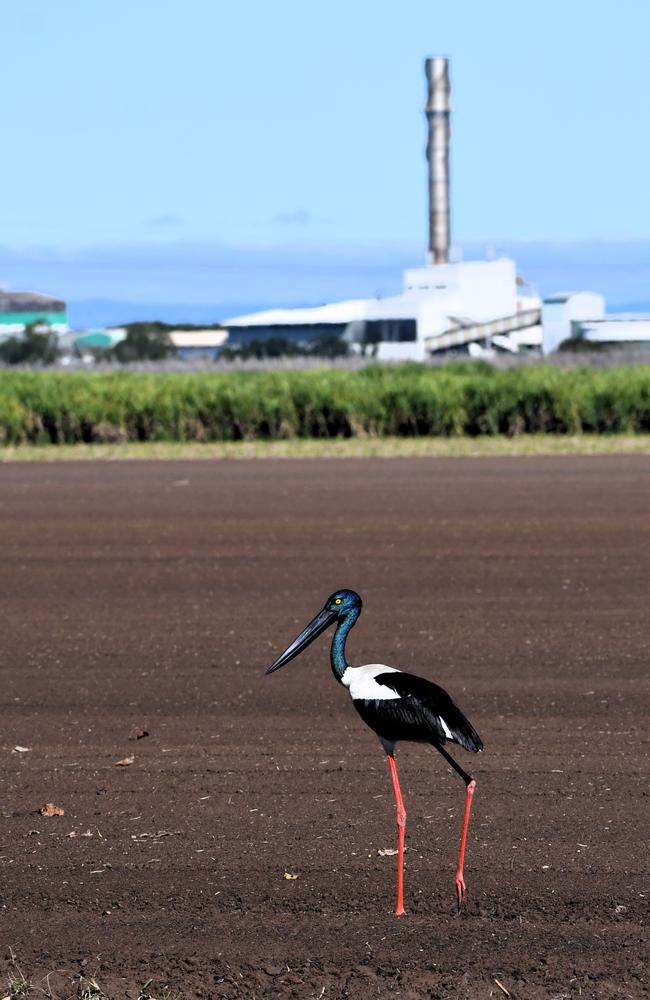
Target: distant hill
(629, 307)
(111, 312)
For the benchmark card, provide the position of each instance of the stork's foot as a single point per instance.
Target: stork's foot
(461, 889)
(400, 912)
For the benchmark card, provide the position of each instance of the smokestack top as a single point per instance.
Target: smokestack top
(439, 96)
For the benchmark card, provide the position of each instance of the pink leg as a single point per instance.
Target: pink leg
(460, 881)
(401, 827)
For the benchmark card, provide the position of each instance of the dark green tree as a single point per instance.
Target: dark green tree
(329, 345)
(270, 347)
(38, 345)
(144, 342)
(580, 345)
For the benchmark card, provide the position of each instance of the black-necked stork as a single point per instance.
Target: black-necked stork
(396, 706)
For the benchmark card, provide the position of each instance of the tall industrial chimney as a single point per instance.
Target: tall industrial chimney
(437, 112)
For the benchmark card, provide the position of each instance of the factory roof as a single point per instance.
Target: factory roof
(560, 297)
(198, 338)
(617, 330)
(11, 302)
(396, 307)
(102, 339)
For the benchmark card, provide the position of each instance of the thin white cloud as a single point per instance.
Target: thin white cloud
(166, 219)
(296, 217)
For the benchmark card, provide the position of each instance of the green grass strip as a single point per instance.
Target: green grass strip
(391, 447)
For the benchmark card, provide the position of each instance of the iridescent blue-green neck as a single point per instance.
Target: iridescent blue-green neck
(337, 649)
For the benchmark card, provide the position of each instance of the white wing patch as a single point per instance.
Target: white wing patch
(445, 728)
(362, 685)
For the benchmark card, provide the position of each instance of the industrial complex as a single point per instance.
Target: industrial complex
(477, 307)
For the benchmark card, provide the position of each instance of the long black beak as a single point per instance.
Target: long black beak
(317, 625)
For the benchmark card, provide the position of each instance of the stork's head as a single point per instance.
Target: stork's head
(341, 604)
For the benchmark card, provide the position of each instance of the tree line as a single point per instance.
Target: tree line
(151, 341)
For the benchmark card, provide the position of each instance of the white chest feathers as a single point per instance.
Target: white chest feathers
(361, 683)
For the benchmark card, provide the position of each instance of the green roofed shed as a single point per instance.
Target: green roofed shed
(99, 339)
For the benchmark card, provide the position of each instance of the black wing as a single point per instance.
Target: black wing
(422, 708)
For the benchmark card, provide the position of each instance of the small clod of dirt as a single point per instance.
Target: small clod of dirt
(49, 809)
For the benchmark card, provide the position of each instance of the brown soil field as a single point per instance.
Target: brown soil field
(150, 596)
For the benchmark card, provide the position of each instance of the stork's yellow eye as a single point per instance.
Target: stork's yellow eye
(338, 600)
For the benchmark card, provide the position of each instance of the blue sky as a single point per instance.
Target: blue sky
(208, 152)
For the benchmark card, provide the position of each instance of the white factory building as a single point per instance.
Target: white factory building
(581, 316)
(474, 306)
